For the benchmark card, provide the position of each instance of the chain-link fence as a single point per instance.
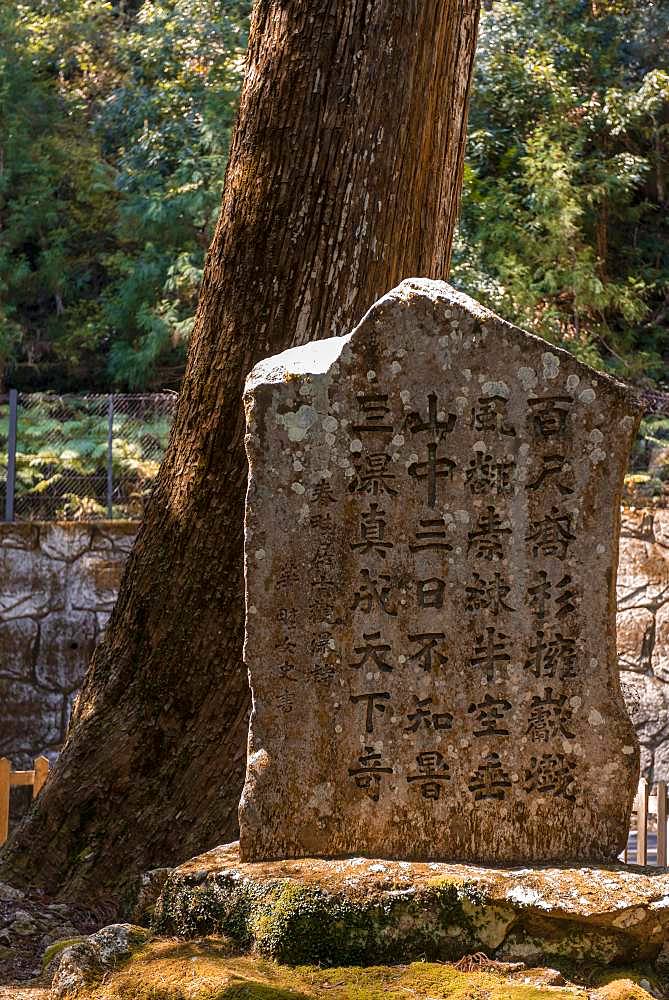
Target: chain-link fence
(80, 457)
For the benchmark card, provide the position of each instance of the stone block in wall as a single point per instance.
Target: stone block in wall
(32, 584)
(20, 536)
(648, 703)
(119, 536)
(30, 718)
(661, 530)
(635, 629)
(95, 584)
(660, 650)
(18, 646)
(65, 541)
(59, 583)
(66, 644)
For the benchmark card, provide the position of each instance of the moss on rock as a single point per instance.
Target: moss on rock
(360, 911)
(209, 969)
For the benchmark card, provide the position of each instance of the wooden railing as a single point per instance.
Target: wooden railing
(647, 841)
(8, 778)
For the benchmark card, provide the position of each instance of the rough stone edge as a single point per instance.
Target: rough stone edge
(82, 963)
(443, 919)
(318, 356)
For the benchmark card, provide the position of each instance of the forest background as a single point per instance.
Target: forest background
(115, 121)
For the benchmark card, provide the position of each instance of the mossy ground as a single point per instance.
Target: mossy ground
(212, 969)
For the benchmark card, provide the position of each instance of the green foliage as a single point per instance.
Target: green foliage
(115, 121)
(563, 224)
(62, 455)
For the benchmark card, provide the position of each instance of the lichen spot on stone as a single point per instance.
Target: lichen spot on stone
(551, 364)
(492, 388)
(297, 423)
(527, 378)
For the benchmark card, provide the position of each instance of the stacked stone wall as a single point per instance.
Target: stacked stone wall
(643, 632)
(58, 584)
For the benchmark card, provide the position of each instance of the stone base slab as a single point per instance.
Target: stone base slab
(365, 911)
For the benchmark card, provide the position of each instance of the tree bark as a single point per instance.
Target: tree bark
(344, 177)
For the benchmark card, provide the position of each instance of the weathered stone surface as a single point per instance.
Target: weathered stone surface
(66, 641)
(59, 585)
(368, 911)
(431, 541)
(149, 886)
(643, 633)
(85, 961)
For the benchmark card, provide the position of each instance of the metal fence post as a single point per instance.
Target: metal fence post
(11, 454)
(110, 440)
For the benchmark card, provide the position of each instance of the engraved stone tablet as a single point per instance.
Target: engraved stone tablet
(431, 547)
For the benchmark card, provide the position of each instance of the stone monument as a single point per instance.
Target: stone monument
(431, 547)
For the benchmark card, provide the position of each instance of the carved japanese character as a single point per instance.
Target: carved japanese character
(375, 702)
(552, 655)
(323, 643)
(439, 427)
(489, 715)
(428, 655)
(374, 409)
(551, 535)
(432, 769)
(431, 535)
(323, 672)
(549, 415)
(488, 595)
(486, 475)
(285, 702)
(368, 775)
(567, 599)
(372, 475)
(430, 592)
(549, 717)
(431, 470)
(374, 592)
(322, 520)
(323, 601)
(486, 541)
(491, 653)
(489, 780)
(555, 468)
(286, 670)
(372, 650)
(551, 774)
(489, 414)
(325, 557)
(373, 532)
(287, 616)
(287, 642)
(542, 594)
(287, 578)
(423, 715)
(322, 494)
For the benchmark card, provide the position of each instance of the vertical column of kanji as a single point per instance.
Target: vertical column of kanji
(428, 430)
(374, 490)
(490, 483)
(555, 664)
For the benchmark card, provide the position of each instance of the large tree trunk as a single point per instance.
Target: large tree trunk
(344, 178)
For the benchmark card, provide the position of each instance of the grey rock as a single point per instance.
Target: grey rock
(431, 528)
